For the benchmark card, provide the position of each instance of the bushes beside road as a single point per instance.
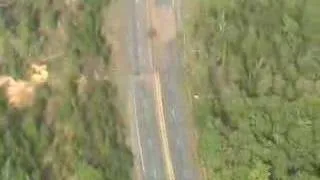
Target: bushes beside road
(72, 131)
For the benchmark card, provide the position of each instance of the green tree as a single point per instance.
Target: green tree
(262, 82)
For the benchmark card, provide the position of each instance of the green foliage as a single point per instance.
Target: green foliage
(259, 172)
(66, 134)
(257, 115)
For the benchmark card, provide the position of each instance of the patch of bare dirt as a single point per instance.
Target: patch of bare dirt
(21, 93)
(115, 29)
(163, 22)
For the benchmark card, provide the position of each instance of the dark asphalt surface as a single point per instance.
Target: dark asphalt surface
(145, 128)
(179, 133)
(153, 165)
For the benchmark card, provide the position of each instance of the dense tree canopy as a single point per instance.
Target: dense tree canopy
(259, 109)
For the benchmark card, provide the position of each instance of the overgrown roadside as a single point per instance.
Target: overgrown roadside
(72, 131)
(191, 80)
(253, 77)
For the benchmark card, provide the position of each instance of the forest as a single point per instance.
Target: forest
(58, 117)
(253, 69)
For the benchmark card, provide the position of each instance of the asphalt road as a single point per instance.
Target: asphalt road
(149, 144)
(145, 133)
(179, 133)
(175, 108)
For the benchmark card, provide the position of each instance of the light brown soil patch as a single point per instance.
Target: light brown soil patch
(115, 29)
(163, 22)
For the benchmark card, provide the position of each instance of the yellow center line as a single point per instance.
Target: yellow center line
(163, 130)
(159, 103)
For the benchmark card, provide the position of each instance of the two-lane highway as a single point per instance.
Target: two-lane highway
(161, 138)
(145, 130)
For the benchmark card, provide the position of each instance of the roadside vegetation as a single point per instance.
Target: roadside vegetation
(254, 72)
(70, 127)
